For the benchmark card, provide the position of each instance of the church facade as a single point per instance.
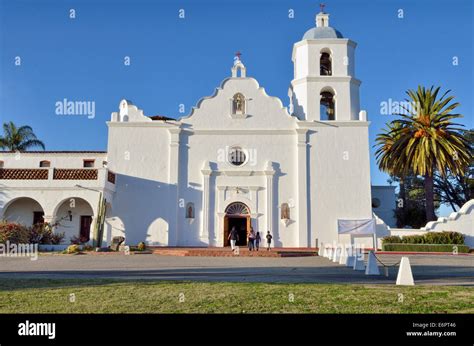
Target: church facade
(239, 159)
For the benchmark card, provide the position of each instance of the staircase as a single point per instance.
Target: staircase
(227, 252)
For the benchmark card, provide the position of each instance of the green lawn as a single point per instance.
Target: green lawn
(113, 296)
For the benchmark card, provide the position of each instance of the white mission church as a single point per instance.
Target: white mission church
(240, 158)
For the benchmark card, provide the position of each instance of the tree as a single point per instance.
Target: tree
(19, 138)
(456, 190)
(427, 141)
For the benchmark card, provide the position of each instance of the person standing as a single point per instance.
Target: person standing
(257, 241)
(251, 239)
(233, 237)
(269, 240)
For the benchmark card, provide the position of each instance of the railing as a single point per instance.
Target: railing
(74, 174)
(111, 177)
(57, 174)
(23, 174)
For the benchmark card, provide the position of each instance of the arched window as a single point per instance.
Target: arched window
(238, 104)
(45, 164)
(237, 208)
(325, 64)
(190, 210)
(327, 106)
(285, 211)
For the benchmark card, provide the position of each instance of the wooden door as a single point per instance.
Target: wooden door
(226, 231)
(85, 229)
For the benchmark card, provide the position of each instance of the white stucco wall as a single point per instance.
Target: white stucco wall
(461, 221)
(387, 198)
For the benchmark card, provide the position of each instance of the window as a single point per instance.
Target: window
(325, 64)
(375, 202)
(1, 164)
(327, 107)
(88, 163)
(238, 104)
(38, 217)
(45, 164)
(237, 156)
(285, 211)
(190, 210)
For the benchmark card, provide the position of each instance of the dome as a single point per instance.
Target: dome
(324, 32)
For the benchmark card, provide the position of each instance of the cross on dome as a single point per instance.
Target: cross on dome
(322, 6)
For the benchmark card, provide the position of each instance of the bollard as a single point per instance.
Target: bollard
(372, 268)
(343, 258)
(405, 276)
(359, 262)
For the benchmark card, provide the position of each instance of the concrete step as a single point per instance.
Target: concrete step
(227, 252)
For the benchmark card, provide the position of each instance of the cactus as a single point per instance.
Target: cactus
(99, 222)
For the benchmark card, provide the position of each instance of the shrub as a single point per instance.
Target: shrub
(71, 249)
(57, 238)
(79, 240)
(444, 237)
(13, 232)
(395, 239)
(426, 247)
(87, 248)
(42, 233)
(141, 246)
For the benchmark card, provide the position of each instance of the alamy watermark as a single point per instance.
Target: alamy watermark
(67, 107)
(19, 250)
(391, 107)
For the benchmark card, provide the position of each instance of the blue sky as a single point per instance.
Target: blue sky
(177, 61)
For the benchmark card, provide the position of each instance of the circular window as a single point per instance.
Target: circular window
(237, 156)
(375, 202)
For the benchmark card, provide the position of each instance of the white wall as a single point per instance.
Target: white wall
(461, 221)
(21, 211)
(386, 197)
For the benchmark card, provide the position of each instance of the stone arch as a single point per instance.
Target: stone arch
(74, 217)
(24, 209)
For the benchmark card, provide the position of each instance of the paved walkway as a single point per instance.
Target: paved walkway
(427, 269)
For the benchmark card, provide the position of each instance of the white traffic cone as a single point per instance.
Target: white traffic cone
(372, 268)
(405, 276)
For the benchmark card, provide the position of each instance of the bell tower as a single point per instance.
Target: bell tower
(324, 87)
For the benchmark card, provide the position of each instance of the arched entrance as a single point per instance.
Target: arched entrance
(24, 210)
(237, 215)
(74, 217)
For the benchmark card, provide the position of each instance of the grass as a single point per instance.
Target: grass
(114, 296)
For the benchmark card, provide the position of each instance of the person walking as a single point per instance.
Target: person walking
(269, 240)
(233, 237)
(251, 239)
(257, 241)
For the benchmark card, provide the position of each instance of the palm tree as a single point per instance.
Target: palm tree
(427, 141)
(19, 138)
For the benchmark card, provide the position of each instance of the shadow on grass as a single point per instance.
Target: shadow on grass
(442, 275)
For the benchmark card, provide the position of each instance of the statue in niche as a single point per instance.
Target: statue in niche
(190, 211)
(285, 211)
(239, 104)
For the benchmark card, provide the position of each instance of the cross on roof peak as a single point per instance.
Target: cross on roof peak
(322, 6)
(238, 54)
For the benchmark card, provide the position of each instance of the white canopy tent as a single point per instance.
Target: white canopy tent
(360, 227)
